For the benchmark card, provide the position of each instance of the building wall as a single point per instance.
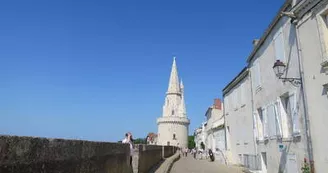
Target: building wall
(312, 52)
(269, 90)
(239, 120)
(166, 131)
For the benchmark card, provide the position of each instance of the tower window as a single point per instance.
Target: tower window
(174, 137)
(172, 112)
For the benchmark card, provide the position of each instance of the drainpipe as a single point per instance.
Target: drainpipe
(305, 102)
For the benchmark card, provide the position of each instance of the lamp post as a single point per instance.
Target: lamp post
(280, 68)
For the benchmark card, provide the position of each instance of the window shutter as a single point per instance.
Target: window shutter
(277, 114)
(279, 46)
(257, 127)
(283, 118)
(294, 112)
(265, 123)
(271, 120)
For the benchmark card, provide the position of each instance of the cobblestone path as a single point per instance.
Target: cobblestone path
(191, 165)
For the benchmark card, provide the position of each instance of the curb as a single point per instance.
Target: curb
(168, 163)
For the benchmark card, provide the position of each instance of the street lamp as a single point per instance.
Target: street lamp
(279, 69)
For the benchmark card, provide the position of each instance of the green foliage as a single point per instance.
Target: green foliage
(306, 168)
(139, 141)
(191, 142)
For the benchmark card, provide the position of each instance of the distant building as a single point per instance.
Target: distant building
(212, 131)
(152, 139)
(173, 125)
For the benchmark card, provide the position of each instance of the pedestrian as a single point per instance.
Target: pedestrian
(193, 151)
(129, 140)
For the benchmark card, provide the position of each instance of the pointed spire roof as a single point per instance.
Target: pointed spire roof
(181, 84)
(174, 85)
(182, 107)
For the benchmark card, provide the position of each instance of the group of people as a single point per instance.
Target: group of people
(195, 153)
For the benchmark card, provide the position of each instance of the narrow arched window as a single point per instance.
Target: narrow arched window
(174, 137)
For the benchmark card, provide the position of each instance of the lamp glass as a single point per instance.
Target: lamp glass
(279, 68)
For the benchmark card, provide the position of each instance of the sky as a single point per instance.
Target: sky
(94, 70)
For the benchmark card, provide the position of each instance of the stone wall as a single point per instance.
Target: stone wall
(147, 156)
(32, 155)
(40, 155)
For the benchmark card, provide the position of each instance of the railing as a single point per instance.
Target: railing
(252, 162)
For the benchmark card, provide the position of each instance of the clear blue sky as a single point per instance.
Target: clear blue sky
(96, 69)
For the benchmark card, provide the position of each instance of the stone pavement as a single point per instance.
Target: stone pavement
(191, 165)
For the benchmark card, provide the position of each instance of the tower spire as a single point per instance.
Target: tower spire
(174, 85)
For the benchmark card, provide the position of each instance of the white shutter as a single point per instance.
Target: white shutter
(271, 120)
(258, 129)
(279, 46)
(284, 119)
(256, 74)
(265, 123)
(294, 113)
(278, 119)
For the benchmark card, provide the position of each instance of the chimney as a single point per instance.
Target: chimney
(255, 42)
(217, 104)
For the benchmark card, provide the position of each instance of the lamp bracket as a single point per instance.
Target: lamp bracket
(294, 81)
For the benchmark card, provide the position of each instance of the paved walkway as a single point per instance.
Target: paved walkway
(191, 165)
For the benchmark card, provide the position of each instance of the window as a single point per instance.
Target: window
(256, 76)
(172, 112)
(288, 117)
(240, 158)
(174, 137)
(264, 157)
(279, 47)
(272, 120)
(261, 123)
(323, 33)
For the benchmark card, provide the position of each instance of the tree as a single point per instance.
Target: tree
(139, 141)
(191, 142)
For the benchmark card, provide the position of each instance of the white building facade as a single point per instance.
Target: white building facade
(173, 125)
(311, 22)
(289, 111)
(240, 137)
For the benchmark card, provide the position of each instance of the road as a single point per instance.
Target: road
(191, 165)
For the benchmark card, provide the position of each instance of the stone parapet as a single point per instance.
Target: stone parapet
(34, 155)
(145, 157)
(30, 155)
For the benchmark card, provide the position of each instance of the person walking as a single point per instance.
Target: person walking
(129, 140)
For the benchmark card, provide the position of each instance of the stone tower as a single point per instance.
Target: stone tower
(173, 125)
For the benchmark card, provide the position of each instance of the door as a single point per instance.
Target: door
(291, 164)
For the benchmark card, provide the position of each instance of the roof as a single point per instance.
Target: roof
(236, 80)
(269, 29)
